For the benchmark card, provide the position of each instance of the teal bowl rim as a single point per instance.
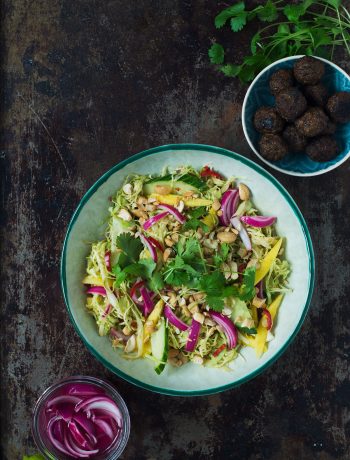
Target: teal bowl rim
(247, 162)
(251, 145)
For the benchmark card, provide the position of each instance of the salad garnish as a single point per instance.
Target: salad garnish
(189, 270)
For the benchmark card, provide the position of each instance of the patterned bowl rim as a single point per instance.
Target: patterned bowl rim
(245, 130)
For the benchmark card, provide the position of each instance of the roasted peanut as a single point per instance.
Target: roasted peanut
(166, 254)
(244, 192)
(216, 205)
(226, 237)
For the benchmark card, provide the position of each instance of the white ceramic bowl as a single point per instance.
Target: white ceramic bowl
(258, 95)
(268, 195)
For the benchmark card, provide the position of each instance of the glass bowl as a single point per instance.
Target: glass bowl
(38, 425)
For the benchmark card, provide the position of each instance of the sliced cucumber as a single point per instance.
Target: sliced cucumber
(186, 183)
(159, 346)
(240, 310)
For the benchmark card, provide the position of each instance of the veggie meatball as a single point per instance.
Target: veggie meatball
(272, 147)
(295, 140)
(290, 104)
(308, 70)
(280, 80)
(316, 94)
(323, 148)
(338, 107)
(330, 128)
(313, 122)
(267, 120)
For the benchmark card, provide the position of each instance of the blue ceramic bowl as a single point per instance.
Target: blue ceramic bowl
(258, 94)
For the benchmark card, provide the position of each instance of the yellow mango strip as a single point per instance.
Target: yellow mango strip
(260, 339)
(211, 219)
(174, 200)
(274, 306)
(196, 202)
(254, 311)
(267, 261)
(151, 322)
(95, 280)
(261, 336)
(249, 340)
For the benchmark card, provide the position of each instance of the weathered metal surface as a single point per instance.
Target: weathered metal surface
(86, 83)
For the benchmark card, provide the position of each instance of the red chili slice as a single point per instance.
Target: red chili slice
(208, 172)
(219, 350)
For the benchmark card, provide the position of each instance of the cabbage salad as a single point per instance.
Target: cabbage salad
(188, 270)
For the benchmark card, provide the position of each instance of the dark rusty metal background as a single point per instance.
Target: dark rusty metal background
(86, 83)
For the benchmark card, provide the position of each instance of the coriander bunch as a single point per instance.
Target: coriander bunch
(309, 27)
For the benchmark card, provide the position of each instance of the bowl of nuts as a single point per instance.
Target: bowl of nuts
(296, 115)
(183, 323)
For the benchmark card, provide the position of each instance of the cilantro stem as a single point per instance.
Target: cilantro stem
(342, 32)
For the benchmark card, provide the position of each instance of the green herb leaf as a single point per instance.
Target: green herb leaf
(216, 303)
(193, 224)
(216, 53)
(156, 283)
(268, 13)
(131, 246)
(238, 22)
(247, 330)
(293, 12)
(247, 289)
(228, 13)
(255, 40)
(230, 70)
(198, 212)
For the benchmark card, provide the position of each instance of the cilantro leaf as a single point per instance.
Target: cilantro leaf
(247, 330)
(214, 302)
(131, 246)
(247, 289)
(156, 282)
(230, 70)
(198, 212)
(120, 275)
(228, 13)
(268, 13)
(293, 12)
(216, 53)
(238, 22)
(193, 224)
(222, 254)
(213, 283)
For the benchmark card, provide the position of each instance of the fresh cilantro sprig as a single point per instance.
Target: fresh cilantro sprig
(193, 222)
(128, 263)
(312, 27)
(216, 289)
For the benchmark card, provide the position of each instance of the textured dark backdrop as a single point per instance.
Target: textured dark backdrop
(85, 84)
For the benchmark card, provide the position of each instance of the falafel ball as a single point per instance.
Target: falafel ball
(317, 94)
(280, 80)
(272, 147)
(308, 70)
(267, 120)
(295, 140)
(338, 107)
(313, 122)
(330, 128)
(290, 104)
(323, 148)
